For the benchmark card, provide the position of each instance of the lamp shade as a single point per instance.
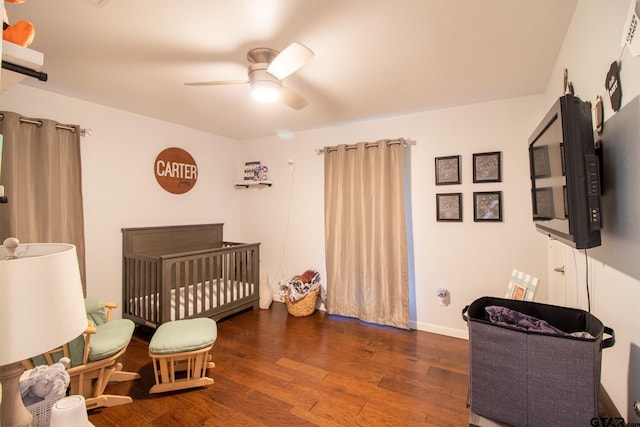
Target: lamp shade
(42, 303)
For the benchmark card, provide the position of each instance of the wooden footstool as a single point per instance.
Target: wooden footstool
(179, 351)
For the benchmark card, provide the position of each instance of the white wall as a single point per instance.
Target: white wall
(592, 43)
(469, 259)
(119, 187)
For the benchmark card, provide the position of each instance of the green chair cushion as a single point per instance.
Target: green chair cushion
(76, 349)
(110, 338)
(96, 311)
(183, 335)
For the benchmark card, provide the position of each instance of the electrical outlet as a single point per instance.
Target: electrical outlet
(443, 295)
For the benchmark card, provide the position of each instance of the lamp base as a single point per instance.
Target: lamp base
(12, 410)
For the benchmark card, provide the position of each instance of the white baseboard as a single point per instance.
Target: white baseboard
(440, 330)
(420, 326)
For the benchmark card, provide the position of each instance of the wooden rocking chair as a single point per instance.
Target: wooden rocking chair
(94, 356)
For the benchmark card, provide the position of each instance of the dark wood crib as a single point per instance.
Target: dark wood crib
(185, 271)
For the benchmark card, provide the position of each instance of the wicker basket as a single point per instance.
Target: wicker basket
(41, 412)
(304, 306)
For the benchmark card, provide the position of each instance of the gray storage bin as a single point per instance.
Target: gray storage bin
(525, 378)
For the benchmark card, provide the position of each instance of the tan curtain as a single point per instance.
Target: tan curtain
(42, 178)
(365, 233)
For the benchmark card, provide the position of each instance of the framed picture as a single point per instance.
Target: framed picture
(522, 286)
(449, 207)
(544, 203)
(448, 170)
(486, 167)
(541, 166)
(518, 292)
(487, 206)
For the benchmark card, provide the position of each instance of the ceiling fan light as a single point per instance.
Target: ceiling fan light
(265, 90)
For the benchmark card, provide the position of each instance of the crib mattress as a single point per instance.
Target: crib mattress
(194, 299)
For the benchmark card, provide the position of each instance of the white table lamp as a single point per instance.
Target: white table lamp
(41, 308)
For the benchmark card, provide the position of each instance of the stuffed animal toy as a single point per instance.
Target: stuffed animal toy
(20, 33)
(45, 382)
(266, 293)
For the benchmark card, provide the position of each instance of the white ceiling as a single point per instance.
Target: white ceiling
(373, 58)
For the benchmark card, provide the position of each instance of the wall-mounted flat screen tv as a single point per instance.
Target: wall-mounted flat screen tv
(565, 175)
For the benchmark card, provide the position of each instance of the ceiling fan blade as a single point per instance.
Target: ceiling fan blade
(292, 98)
(218, 83)
(291, 59)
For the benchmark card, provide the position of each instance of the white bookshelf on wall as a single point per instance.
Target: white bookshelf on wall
(21, 57)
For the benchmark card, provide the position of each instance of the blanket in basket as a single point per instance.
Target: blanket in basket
(297, 287)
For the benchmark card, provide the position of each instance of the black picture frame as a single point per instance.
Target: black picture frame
(487, 206)
(544, 203)
(448, 170)
(487, 167)
(541, 165)
(449, 207)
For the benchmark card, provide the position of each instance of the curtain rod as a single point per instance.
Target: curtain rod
(404, 141)
(16, 68)
(38, 123)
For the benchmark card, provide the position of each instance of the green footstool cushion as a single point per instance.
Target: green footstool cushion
(183, 335)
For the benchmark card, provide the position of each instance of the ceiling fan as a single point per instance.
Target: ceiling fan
(267, 69)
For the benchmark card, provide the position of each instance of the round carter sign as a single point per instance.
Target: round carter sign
(175, 170)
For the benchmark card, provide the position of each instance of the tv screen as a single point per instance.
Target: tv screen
(565, 181)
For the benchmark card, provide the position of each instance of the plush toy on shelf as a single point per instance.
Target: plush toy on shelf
(20, 33)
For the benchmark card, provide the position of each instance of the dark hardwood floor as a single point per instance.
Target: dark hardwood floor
(273, 369)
